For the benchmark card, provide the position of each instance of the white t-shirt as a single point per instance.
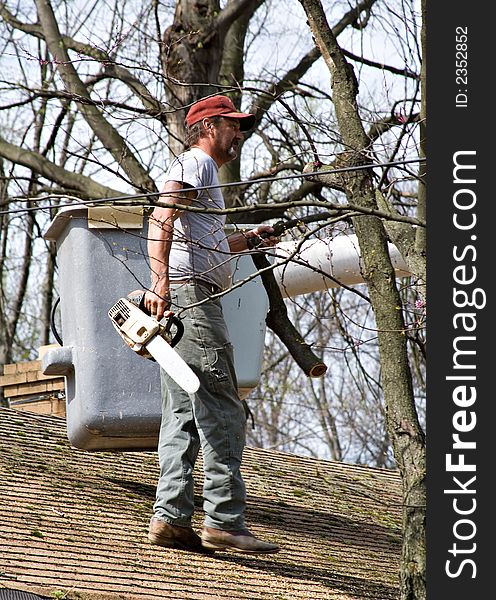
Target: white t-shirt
(199, 249)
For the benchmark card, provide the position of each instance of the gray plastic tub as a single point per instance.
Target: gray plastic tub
(113, 395)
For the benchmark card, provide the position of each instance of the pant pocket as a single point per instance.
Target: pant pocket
(219, 368)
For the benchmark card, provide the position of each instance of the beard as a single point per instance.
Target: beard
(232, 151)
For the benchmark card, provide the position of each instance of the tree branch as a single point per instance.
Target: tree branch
(293, 76)
(381, 66)
(384, 125)
(65, 95)
(150, 103)
(277, 319)
(85, 186)
(233, 10)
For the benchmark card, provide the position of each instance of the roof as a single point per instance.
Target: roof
(73, 524)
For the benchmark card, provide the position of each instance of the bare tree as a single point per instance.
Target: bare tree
(403, 425)
(105, 112)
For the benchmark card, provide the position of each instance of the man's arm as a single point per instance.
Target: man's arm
(160, 235)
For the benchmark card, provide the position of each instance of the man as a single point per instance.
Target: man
(190, 261)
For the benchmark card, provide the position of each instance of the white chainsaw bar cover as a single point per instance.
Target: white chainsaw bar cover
(173, 364)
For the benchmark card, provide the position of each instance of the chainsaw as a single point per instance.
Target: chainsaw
(153, 339)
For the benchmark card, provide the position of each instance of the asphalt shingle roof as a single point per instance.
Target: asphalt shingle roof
(73, 524)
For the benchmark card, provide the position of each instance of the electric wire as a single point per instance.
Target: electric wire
(130, 199)
(53, 327)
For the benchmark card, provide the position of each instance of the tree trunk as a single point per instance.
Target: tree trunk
(191, 59)
(420, 238)
(192, 53)
(232, 74)
(402, 422)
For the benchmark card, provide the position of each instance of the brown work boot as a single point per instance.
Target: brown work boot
(164, 534)
(241, 541)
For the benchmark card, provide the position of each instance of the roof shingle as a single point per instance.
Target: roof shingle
(73, 524)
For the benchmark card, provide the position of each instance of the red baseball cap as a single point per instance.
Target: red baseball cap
(218, 106)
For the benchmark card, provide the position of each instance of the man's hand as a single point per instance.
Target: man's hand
(157, 301)
(261, 237)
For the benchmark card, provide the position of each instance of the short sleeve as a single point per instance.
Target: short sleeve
(189, 169)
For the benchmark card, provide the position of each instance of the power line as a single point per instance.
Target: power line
(127, 199)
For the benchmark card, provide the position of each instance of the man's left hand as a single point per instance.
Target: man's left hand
(261, 237)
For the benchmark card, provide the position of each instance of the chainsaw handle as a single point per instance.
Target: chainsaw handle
(138, 299)
(173, 320)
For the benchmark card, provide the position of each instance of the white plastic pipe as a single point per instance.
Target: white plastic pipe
(322, 264)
